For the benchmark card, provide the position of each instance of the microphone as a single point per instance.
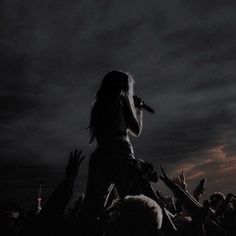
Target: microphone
(143, 105)
(147, 108)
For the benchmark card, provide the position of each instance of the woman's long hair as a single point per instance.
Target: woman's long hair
(105, 108)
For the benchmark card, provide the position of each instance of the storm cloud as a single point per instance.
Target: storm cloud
(54, 54)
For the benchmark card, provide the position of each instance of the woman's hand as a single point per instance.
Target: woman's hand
(138, 102)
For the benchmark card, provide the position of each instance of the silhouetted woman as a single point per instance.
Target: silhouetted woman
(115, 115)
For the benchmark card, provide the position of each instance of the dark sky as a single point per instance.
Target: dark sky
(54, 54)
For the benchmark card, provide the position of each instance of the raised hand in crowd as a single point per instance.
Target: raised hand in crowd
(200, 189)
(167, 180)
(57, 202)
(75, 160)
(180, 181)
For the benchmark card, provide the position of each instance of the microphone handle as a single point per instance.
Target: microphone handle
(147, 108)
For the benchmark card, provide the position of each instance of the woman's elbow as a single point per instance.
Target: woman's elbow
(136, 131)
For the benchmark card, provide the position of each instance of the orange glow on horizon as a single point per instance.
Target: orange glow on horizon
(215, 160)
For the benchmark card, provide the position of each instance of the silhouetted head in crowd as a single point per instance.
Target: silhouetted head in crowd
(136, 216)
(216, 198)
(114, 84)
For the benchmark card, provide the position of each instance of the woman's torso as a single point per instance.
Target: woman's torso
(113, 138)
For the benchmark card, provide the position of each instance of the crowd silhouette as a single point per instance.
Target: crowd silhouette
(133, 215)
(120, 199)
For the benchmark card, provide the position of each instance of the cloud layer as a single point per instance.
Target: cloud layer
(54, 54)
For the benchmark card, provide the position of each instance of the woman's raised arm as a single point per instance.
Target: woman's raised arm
(133, 115)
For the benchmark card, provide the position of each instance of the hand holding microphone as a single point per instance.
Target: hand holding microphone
(139, 103)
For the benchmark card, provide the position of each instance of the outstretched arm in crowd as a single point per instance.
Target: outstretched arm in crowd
(56, 204)
(193, 207)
